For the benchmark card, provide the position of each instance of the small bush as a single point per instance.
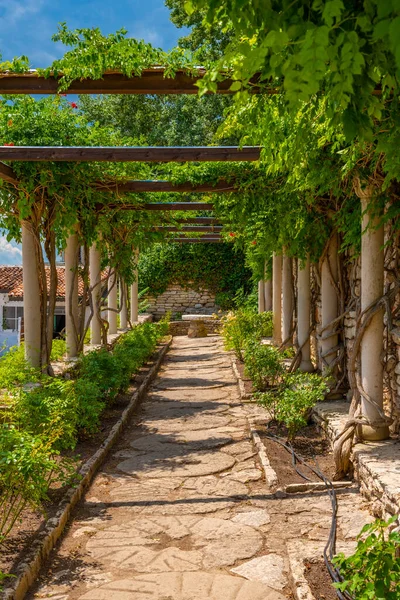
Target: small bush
(244, 325)
(14, 369)
(373, 571)
(291, 403)
(49, 410)
(28, 467)
(262, 363)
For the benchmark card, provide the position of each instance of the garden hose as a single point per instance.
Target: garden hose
(330, 547)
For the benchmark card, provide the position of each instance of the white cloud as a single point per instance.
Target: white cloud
(12, 11)
(10, 252)
(147, 34)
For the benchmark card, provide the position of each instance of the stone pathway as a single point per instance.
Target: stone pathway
(181, 510)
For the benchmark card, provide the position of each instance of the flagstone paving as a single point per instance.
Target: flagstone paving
(181, 510)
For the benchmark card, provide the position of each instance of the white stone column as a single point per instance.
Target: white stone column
(135, 292)
(95, 278)
(329, 303)
(122, 299)
(287, 298)
(372, 287)
(261, 303)
(304, 315)
(32, 316)
(277, 298)
(268, 295)
(71, 295)
(112, 303)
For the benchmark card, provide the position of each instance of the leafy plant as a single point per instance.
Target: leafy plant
(262, 364)
(243, 325)
(290, 404)
(373, 571)
(28, 467)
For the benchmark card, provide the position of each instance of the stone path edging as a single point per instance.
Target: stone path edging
(271, 477)
(54, 527)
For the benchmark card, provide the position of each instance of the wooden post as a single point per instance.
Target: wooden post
(287, 299)
(277, 298)
(95, 280)
(32, 312)
(303, 315)
(71, 295)
(112, 303)
(135, 292)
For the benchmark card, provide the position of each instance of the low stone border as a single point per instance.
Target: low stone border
(376, 464)
(212, 326)
(269, 473)
(243, 394)
(54, 527)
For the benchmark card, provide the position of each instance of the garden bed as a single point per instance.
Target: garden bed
(247, 383)
(318, 579)
(309, 443)
(31, 523)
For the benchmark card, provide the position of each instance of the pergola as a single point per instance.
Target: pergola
(276, 294)
(152, 81)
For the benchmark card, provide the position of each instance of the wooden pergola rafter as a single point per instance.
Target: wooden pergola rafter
(138, 186)
(161, 206)
(151, 81)
(188, 228)
(130, 154)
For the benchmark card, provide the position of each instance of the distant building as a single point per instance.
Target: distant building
(12, 303)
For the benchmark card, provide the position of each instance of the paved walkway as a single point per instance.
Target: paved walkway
(181, 511)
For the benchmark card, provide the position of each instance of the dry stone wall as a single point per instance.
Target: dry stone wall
(180, 301)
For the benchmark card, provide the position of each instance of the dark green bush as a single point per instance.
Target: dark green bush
(262, 363)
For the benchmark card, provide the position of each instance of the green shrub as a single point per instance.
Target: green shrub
(262, 363)
(58, 349)
(291, 403)
(373, 571)
(28, 466)
(14, 369)
(48, 409)
(244, 325)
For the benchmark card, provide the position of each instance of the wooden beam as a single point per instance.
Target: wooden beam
(164, 186)
(151, 81)
(161, 206)
(198, 220)
(203, 240)
(198, 229)
(129, 154)
(7, 174)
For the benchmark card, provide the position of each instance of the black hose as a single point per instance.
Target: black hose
(330, 547)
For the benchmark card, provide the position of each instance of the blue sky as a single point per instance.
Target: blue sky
(26, 27)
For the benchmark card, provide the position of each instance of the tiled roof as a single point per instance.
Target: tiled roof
(11, 282)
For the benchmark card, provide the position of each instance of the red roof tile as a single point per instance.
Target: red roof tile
(11, 282)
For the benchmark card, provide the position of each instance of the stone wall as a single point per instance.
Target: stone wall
(178, 300)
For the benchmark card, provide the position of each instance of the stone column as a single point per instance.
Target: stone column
(71, 295)
(277, 298)
(112, 303)
(32, 315)
(261, 303)
(267, 291)
(329, 303)
(372, 287)
(122, 299)
(95, 278)
(287, 298)
(135, 293)
(303, 315)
